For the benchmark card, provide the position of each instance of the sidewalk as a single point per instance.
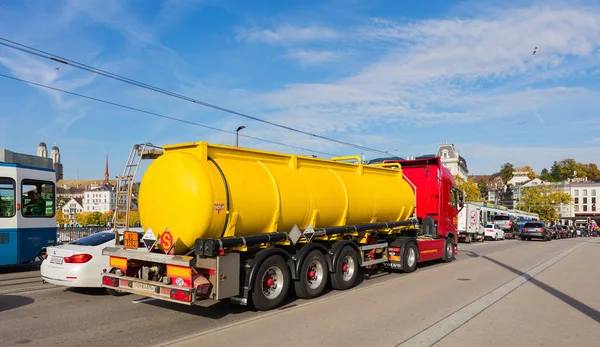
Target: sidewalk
(559, 307)
(391, 312)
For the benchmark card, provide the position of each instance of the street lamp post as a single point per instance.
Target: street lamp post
(237, 134)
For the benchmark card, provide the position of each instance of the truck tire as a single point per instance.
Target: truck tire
(448, 250)
(313, 275)
(272, 283)
(347, 269)
(410, 257)
(469, 238)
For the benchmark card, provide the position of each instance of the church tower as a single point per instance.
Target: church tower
(42, 150)
(55, 154)
(106, 175)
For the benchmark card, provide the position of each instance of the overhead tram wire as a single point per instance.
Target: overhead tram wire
(42, 54)
(162, 115)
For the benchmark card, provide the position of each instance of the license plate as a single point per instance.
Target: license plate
(131, 239)
(144, 287)
(56, 260)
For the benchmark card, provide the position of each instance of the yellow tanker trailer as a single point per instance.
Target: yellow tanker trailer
(229, 222)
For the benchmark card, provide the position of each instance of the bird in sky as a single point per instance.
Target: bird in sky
(534, 50)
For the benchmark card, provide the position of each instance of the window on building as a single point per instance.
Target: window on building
(584, 208)
(594, 208)
(576, 192)
(576, 200)
(37, 198)
(576, 208)
(585, 192)
(7, 197)
(593, 200)
(585, 200)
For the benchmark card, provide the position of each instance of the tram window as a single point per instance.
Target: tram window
(37, 199)
(7, 197)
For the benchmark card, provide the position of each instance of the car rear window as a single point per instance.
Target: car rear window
(94, 239)
(500, 217)
(534, 225)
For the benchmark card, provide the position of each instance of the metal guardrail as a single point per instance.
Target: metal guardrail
(72, 234)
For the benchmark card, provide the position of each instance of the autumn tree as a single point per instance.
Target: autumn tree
(530, 172)
(61, 219)
(543, 200)
(469, 188)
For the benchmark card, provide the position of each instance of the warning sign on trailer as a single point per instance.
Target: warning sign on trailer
(166, 241)
(149, 239)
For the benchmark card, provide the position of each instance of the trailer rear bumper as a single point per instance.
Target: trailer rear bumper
(153, 289)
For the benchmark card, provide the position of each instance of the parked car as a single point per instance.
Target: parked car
(554, 233)
(579, 232)
(80, 263)
(507, 224)
(493, 231)
(563, 231)
(536, 230)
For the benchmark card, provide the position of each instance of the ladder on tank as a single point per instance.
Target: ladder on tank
(124, 188)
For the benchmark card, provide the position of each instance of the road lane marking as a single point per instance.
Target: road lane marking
(139, 301)
(446, 326)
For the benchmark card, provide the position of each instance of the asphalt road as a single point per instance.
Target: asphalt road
(385, 309)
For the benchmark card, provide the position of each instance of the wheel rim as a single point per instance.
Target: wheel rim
(412, 257)
(449, 249)
(314, 275)
(272, 282)
(347, 268)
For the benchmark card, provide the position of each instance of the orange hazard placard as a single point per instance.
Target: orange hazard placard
(166, 241)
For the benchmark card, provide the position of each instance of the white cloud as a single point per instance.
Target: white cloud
(313, 57)
(449, 70)
(287, 34)
(538, 157)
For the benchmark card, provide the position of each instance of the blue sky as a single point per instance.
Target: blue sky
(397, 76)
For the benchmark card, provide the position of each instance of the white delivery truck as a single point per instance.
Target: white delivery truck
(470, 223)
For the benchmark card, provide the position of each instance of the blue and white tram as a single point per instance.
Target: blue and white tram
(27, 211)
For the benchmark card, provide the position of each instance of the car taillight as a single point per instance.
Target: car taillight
(78, 258)
(543, 229)
(524, 229)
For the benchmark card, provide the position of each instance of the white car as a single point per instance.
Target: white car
(493, 232)
(79, 263)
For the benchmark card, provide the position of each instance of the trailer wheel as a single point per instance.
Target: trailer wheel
(272, 283)
(448, 250)
(409, 261)
(347, 269)
(469, 238)
(312, 278)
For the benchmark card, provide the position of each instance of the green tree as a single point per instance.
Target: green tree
(482, 186)
(469, 188)
(506, 172)
(543, 200)
(546, 176)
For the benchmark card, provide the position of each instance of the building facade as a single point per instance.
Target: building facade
(100, 199)
(452, 160)
(72, 207)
